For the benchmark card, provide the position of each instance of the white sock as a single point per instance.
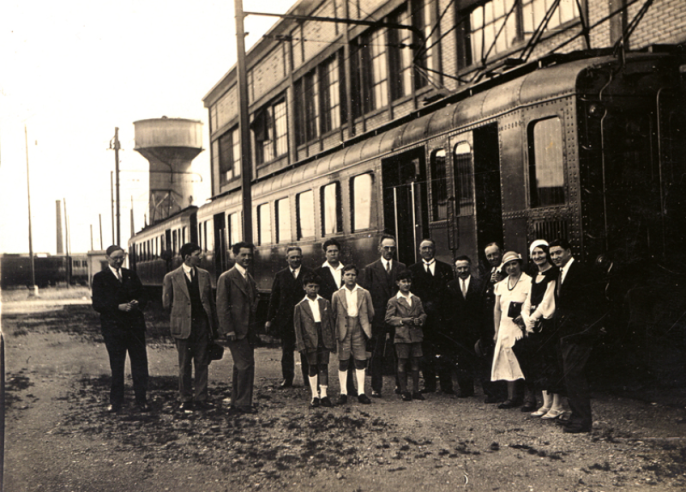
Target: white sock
(343, 379)
(360, 381)
(313, 386)
(322, 391)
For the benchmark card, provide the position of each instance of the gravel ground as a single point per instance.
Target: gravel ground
(59, 436)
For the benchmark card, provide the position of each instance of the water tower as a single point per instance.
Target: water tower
(170, 145)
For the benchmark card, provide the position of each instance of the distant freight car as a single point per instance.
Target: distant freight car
(49, 270)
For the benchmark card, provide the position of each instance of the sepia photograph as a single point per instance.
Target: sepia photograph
(343, 245)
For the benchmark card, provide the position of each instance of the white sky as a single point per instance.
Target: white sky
(72, 71)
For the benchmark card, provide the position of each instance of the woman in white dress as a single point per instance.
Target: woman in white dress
(510, 294)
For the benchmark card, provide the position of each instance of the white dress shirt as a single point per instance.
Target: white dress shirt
(408, 297)
(464, 286)
(565, 269)
(242, 270)
(314, 306)
(188, 271)
(117, 273)
(351, 299)
(336, 273)
(387, 264)
(430, 266)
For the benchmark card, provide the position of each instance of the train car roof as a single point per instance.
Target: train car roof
(154, 229)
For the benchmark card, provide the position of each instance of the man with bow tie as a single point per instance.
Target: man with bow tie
(118, 297)
(187, 295)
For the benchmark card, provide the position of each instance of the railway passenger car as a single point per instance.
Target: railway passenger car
(585, 146)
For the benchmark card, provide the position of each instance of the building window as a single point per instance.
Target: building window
(463, 179)
(311, 108)
(264, 225)
(361, 200)
(439, 185)
(546, 166)
(305, 203)
(283, 221)
(379, 79)
(425, 65)
(235, 232)
(270, 130)
(330, 95)
(400, 56)
(229, 156)
(332, 220)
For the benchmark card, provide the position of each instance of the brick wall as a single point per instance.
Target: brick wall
(664, 22)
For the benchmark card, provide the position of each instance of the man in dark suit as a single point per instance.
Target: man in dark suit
(379, 279)
(466, 301)
(430, 279)
(118, 297)
(187, 295)
(287, 291)
(579, 305)
(331, 273)
(490, 274)
(237, 299)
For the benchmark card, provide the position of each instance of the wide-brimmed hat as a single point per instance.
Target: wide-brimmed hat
(536, 244)
(511, 256)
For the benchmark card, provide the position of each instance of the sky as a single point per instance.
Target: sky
(72, 71)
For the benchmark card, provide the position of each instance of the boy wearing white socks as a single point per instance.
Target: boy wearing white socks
(314, 337)
(353, 313)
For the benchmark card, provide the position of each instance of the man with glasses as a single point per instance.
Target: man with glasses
(118, 297)
(187, 296)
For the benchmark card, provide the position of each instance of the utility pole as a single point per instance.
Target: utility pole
(33, 290)
(91, 237)
(117, 146)
(100, 220)
(66, 240)
(112, 202)
(246, 155)
(133, 230)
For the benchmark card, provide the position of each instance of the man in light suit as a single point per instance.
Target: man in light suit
(237, 299)
(579, 305)
(430, 279)
(287, 291)
(379, 278)
(118, 297)
(187, 296)
(466, 300)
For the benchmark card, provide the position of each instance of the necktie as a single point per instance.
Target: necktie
(559, 283)
(192, 274)
(119, 275)
(295, 274)
(464, 288)
(388, 267)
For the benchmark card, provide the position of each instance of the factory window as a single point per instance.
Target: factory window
(270, 130)
(463, 178)
(305, 215)
(264, 224)
(332, 216)
(229, 156)
(400, 55)
(546, 168)
(283, 221)
(330, 95)
(439, 185)
(361, 200)
(311, 108)
(425, 58)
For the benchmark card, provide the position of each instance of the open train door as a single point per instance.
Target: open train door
(405, 204)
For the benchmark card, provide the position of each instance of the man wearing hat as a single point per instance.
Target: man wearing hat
(118, 297)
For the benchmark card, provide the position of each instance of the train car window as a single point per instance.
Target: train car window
(234, 229)
(546, 167)
(264, 224)
(283, 221)
(305, 214)
(362, 202)
(332, 216)
(439, 185)
(462, 155)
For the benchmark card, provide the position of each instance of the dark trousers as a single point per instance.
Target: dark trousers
(117, 346)
(194, 350)
(433, 365)
(243, 356)
(378, 342)
(466, 363)
(288, 359)
(574, 359)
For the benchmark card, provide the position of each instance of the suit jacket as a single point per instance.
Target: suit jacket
(109, 292)
(287, 291)
(328, 287)
(382, 287)
(396, 310)
(467, 315)
(431, 289)
(579, 302)
(365, 312)
(237, 299)
(177, 300)
(306, 336)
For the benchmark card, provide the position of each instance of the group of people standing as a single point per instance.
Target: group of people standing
(517, 333)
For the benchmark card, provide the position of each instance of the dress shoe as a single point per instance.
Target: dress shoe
(464, 394)
(540, 412)
(242, 410)
(202, 405)
(448, 391)
(326, 402)
(553, 414)
(397, 390)
(364, 399)
(286, 384)
(416, 395)
(492, 399)
(529, 406)
(427, 390)
(186, 406)
(114, 408)
(342, 400)
(406, 396)
(376, 394)
(315, 403)
(576, 429)
(142, 407)
(510, 404)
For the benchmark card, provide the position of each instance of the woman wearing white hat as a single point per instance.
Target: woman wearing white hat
(510, 294)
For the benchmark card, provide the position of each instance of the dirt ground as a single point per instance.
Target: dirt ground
(59, 436)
